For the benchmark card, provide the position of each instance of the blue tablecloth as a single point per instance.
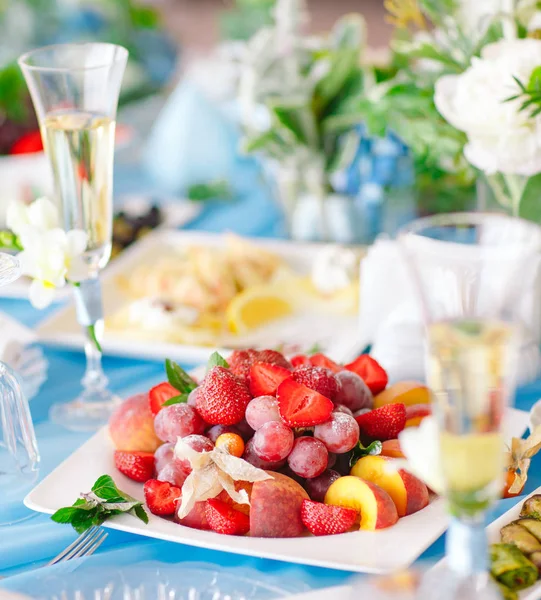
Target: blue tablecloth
(28, 545)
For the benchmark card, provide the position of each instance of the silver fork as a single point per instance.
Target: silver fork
(85, 545)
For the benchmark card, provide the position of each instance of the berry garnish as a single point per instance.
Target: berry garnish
(320, 360)
(264, 379)
(319, 379)
(222, 398)
(138, 466)
(161, 497)
(232, 443)
(224, 519)
(324, 519)
(240, 362)
(300, 360)
(370, 371)
(160, 394)
(383, 423)
(300, 406)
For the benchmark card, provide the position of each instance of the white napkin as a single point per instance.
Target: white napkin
(390, 318)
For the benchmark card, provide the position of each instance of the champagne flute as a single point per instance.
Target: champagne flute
(75, 90)
(470, 270)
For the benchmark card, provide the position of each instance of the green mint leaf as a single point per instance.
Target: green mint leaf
(216, 360)
(120, 506)
(83, 525)
(359, 451)
(105, 488)
(69, 513)
(181, 399)
(178, 377)
(314, 349)
(139, 512)
(214, 190)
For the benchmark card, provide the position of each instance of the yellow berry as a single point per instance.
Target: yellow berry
(231, 442)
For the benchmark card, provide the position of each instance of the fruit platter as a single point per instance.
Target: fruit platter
(263, 455)
(181, 294)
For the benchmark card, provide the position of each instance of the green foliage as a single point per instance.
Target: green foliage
(14, 101)
(530, 205)
(247, 16)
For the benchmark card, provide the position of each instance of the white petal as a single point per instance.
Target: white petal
(43, 214)
(77, 240)
(17, 217)
(40, 295)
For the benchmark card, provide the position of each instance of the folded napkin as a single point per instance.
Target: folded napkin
(390, 318)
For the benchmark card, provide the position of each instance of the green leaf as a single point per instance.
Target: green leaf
(105, 488)
(349, 32)
(427, 51)
(213, 190)
(270, 142)
(535, 79)
(343, 64)
(345, 152)
(180, 399)
(216, 360)
(139, 512)
(530, 203)
(297, 118)
(92, 335)
(69, 513)
(359, 451)
(178, 377)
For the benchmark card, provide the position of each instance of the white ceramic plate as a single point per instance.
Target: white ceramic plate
(362, 551)
(304, 330)
(177, 212)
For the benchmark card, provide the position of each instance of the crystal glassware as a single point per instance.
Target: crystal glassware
(75, 90)
(19, 456)
(470, 270)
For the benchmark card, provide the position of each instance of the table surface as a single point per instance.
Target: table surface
(30, 544)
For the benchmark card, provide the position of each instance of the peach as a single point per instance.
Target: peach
(276, 507)
(392, 449)
(415, 413)
(409, 494)
(131, 426)
(376, 507)
(403, 392)
(196, 518)
(239, 485)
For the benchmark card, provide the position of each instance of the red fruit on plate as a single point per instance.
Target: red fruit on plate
(222, 398)
(264, 379)
(28, 143)
(240, 362)
(415, 413)
(383, 423)
(324, 519)
(370, 371)
(138, 466)
(160, 394)
(273, 357)
(300, 406)
(317, 378)
(300, 360)
(224, 519)
(161, 497)
(320, 360)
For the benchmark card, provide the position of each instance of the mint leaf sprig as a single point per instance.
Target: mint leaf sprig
(217, 360)
(359, 451)
(180, 380)
(105, 500)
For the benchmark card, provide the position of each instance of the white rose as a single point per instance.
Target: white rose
(501, 138)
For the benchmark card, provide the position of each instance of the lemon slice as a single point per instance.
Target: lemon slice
(257, 306)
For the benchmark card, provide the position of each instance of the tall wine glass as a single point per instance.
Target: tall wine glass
(75, 90)
(470, 270)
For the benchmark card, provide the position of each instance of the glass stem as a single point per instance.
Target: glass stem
(89, 307)
(466, 547)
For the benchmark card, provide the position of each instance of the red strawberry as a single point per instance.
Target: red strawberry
(28, 143)
(161, 497)
(240, 362)
(383, 423)
(160, 394)
(222, 518)
(370, 371)
(138, 466)
(300, 360)
(300, 406)
(317, 378)
(325, 519)
(264, 379)
(222, 398)
(273, 357)
(320, 360)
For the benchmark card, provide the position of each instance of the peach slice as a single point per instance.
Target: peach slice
(409, 494)
(415, 413)
(392, 449)
(376, 507)
(403, 392)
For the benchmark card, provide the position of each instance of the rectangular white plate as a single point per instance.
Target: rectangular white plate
(330, 331)
(361, 551)
(176, 213)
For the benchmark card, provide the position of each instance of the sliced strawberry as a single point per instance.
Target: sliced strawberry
(300, 360)
(161, 497)
(264, 379)
(240, 362)
(370, 371)
(317, 378)
(325, 519)
(273, 357)
(222, 518)
(222, 398)
(300, 406)
(160, 394)
(138, 466)
(383, 423)
(320, 360)
(28, 143)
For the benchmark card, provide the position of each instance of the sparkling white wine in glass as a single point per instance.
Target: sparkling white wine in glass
(80, 146)
(469, 362)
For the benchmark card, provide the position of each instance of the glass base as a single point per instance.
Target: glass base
(442, 583)
(84, 413)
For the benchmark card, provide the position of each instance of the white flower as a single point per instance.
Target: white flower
(41, 215)
(501, 138)
(421, 447)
